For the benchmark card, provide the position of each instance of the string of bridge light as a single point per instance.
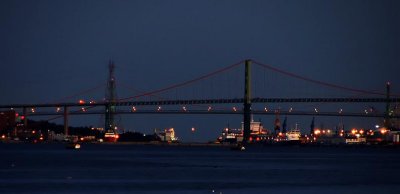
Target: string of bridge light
(163, 98)
(209, 108)
(236, 109)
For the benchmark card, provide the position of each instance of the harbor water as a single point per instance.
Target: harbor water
(107, 168)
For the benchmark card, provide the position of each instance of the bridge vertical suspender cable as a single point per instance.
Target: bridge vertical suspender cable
(183, 83)
(316, 81)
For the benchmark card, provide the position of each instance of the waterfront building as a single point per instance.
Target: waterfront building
(7, 121)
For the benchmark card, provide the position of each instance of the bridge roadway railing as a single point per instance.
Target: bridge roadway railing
(209, 101)
(226, 112)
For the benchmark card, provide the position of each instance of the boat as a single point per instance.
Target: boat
(238, 147)
(111, 137)
(73, 146)
(293, 135)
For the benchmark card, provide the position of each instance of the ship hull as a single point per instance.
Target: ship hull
(111, 137)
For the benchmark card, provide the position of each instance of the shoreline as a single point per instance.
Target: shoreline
(205, 144)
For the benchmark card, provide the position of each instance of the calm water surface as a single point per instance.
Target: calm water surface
(50, 168)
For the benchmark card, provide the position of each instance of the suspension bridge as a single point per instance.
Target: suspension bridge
(243, 103)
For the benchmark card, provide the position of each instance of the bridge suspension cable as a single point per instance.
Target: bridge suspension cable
(184, 83)
(80, 93)
(316, 81)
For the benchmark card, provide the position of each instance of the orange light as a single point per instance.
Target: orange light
(117, 136)
(81, 102)
(33, 132)
(3, 136)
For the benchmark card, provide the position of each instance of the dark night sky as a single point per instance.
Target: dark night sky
(51, 49)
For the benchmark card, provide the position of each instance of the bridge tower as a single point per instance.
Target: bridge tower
(247, 102)
(386, 121)
(110, 100)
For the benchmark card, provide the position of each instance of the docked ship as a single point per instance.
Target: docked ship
(167, 135)
(111, 136)
(257, 133)
(294, 135)
(229, 135)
